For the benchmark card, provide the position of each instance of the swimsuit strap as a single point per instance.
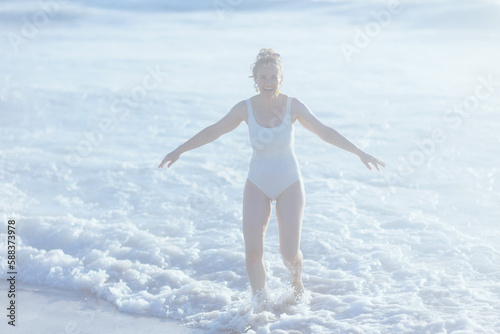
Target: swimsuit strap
(250, 111)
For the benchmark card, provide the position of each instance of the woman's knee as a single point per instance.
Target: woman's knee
(254, 255)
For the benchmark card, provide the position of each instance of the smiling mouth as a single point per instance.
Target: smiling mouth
(268, 89)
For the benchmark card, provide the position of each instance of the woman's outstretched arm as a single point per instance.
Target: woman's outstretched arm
(228, 123)
(309, 121)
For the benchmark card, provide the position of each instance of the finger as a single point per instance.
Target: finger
(379, 162)
(162, 163)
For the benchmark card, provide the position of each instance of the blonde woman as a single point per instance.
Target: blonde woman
(274, 173)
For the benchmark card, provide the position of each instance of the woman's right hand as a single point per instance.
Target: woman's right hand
(172, 157)
(368, 159)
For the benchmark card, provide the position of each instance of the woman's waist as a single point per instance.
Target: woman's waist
(274, 160)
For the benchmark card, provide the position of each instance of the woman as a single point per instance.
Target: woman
(274, 174)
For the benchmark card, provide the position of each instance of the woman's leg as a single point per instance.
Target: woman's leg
(256, 214)
(290, 211)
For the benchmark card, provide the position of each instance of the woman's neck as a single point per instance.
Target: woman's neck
(269, 102)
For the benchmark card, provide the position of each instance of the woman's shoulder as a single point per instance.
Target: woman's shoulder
(240, 109)
(293, 100)
(240, 106)
(297, 106)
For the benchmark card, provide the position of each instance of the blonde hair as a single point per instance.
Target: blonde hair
(266, 61)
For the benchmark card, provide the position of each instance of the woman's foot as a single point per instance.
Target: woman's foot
(297, 287)
(295, 268)
(260, 301)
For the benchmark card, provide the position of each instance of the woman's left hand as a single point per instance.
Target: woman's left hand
(368, 159)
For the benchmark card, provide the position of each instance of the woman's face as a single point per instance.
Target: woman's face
(268, 78)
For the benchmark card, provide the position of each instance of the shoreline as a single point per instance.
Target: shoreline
(43, 309)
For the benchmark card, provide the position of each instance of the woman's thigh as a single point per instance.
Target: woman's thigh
(256, 214)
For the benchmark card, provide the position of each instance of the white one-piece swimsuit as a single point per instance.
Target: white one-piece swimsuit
(273, 166)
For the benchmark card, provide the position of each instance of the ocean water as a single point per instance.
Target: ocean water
(94, 94)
